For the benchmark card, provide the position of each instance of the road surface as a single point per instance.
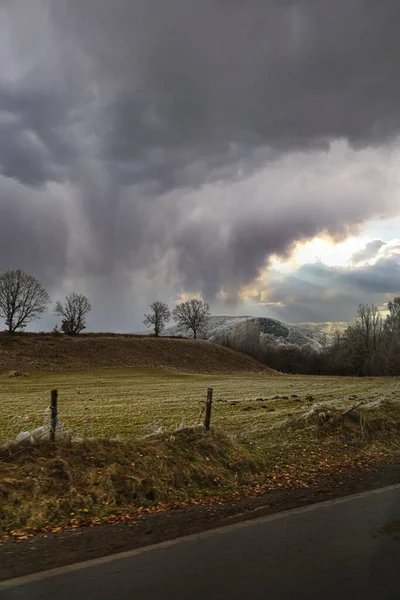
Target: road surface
(346, 549)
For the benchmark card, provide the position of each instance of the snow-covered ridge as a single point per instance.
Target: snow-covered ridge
(269, 331)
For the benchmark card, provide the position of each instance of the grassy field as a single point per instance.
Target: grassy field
(131, 403)
(135, 446)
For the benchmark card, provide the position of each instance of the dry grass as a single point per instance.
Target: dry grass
(373, 423)
(127, 403)
(130, 453)
(47, 485)
(35, 352)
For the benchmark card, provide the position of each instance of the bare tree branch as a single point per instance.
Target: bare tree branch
(159, 316)
(192, 315)
(73, 313)
(22, 299)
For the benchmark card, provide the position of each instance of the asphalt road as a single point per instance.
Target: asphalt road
(346, 549)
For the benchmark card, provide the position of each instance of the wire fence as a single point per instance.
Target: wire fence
(55, 425)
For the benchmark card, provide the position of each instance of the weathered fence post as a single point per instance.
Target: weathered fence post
(54, 414)
(207, 420)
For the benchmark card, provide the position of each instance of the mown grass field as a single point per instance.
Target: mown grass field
(131, 403)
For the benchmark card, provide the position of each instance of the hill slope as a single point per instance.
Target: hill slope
(269, 330)
(323, 332)
(30, 352)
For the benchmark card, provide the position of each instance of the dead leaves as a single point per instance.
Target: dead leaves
(316, 466)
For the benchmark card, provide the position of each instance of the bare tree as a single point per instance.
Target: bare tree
(192, 315)
(377, 326)
(73, 313)
(392, 323)
(159, 316)
(359, 349)
(22, 299)
(363, 324)
(392, 338)
(368, 325)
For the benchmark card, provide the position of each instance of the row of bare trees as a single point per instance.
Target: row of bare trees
(191, 316)
(23, 299)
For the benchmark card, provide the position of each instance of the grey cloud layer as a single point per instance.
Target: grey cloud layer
(202, 75)
(369, 251)
(322, 293)
(187, 141)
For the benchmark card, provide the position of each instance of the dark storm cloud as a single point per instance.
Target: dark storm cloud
(189, 141)
(33, 232)
(199, 75)
(323, 293)
(30, 144)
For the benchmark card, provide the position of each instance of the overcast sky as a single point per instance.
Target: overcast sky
(244, 151)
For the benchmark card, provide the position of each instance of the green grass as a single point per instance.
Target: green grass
(129, 403)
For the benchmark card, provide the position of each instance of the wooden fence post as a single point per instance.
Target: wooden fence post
(54, 415)
(207, 420)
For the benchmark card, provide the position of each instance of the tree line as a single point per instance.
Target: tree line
(370, 346)
(23, 299)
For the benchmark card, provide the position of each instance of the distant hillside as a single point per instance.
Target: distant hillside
(322, 332)
(269, 330)
(35, 352)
